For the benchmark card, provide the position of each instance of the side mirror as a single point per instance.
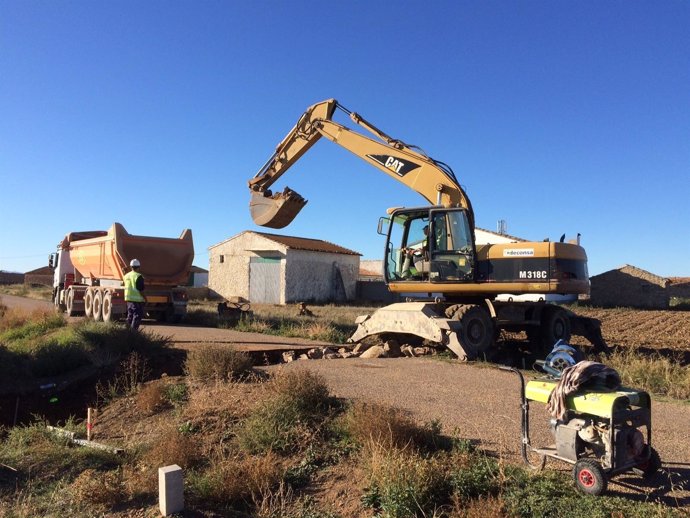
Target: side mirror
(50, 260)
(384, 224)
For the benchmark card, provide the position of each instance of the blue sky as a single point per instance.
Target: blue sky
(558, 117)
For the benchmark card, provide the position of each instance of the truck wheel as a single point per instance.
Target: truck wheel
(88, 303)
(589, 477)
(555, 325)
(97, 306)
(69, 307)
(477, 332)
(107, 307)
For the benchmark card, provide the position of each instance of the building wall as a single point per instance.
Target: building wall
(11, 278)
(230, 278)
(313, 276)
(304, 275)
(629, 287)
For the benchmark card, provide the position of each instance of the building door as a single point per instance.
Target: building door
(264, 280)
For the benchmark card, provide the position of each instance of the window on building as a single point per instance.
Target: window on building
(221, 258)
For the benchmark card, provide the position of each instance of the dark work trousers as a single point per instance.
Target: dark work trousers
(135, 312)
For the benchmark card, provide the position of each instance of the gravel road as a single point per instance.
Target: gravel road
(480, 402)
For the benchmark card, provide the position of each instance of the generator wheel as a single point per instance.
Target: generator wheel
(97, 306)
(88, 303)
(477, 332)
(649, 467)
(589, 477)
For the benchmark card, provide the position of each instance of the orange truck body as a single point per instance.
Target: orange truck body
(90, 267)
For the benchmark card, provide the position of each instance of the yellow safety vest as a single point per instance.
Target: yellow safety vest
(132, 294)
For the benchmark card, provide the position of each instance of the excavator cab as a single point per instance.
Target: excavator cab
(430, 245)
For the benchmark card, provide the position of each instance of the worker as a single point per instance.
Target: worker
(413, 265)
(134, 286)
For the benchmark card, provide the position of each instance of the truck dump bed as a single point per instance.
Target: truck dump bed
(105, 255)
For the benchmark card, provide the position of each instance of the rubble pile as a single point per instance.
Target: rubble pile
(390, 349)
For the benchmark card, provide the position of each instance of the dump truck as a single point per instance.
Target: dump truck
(431, 255)
(89, 268)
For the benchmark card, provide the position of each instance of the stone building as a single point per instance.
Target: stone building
(629, 286)
(42, 276)
(276, 269)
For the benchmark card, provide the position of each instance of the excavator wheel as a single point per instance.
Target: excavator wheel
(555, 325)
(478, 330)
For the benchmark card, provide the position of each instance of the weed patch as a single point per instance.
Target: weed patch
(213, 362)
(655, 374)
(287, 420)
(366, 423)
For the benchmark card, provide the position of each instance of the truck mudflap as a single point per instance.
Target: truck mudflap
(414, 318)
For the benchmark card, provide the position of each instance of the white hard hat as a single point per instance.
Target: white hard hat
(134, 263)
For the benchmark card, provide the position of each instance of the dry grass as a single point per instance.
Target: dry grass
(151, 397)
(238, 479)
(173, 448)
(99, 488)
(387, 427)
(655, 374)
(13, 318)
(217, 362)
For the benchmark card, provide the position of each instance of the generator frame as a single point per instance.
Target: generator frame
(622, 409)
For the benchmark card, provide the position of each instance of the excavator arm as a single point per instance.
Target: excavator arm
(434, 180)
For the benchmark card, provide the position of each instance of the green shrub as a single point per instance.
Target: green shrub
(215, 362)
(403, 483)
(290, 417)
(389, 426)
(477, 476)
(32, 328)
(176, 393)
(52, 359)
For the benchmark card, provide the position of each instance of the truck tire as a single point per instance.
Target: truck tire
(69, 306)
(88, 303)
(477, 332)
(107, 307)
(97, 307)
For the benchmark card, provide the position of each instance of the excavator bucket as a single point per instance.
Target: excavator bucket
(277, 210)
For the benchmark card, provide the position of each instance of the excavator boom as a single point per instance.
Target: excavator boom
(407, 164)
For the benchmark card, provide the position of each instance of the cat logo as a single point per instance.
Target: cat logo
(395, 164)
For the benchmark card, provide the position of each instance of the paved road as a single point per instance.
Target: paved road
(479, 401)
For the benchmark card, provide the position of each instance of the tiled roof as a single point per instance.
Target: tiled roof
(304, 243)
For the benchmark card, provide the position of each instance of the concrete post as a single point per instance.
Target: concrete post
(170, 490)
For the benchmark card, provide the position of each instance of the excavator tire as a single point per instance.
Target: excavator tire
(555, 325)
(478, 332)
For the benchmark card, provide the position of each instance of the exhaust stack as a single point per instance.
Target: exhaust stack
(275, 210)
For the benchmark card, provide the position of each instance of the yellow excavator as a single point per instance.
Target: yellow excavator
(431, 253)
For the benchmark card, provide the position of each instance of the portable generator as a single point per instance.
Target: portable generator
(603, 433)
